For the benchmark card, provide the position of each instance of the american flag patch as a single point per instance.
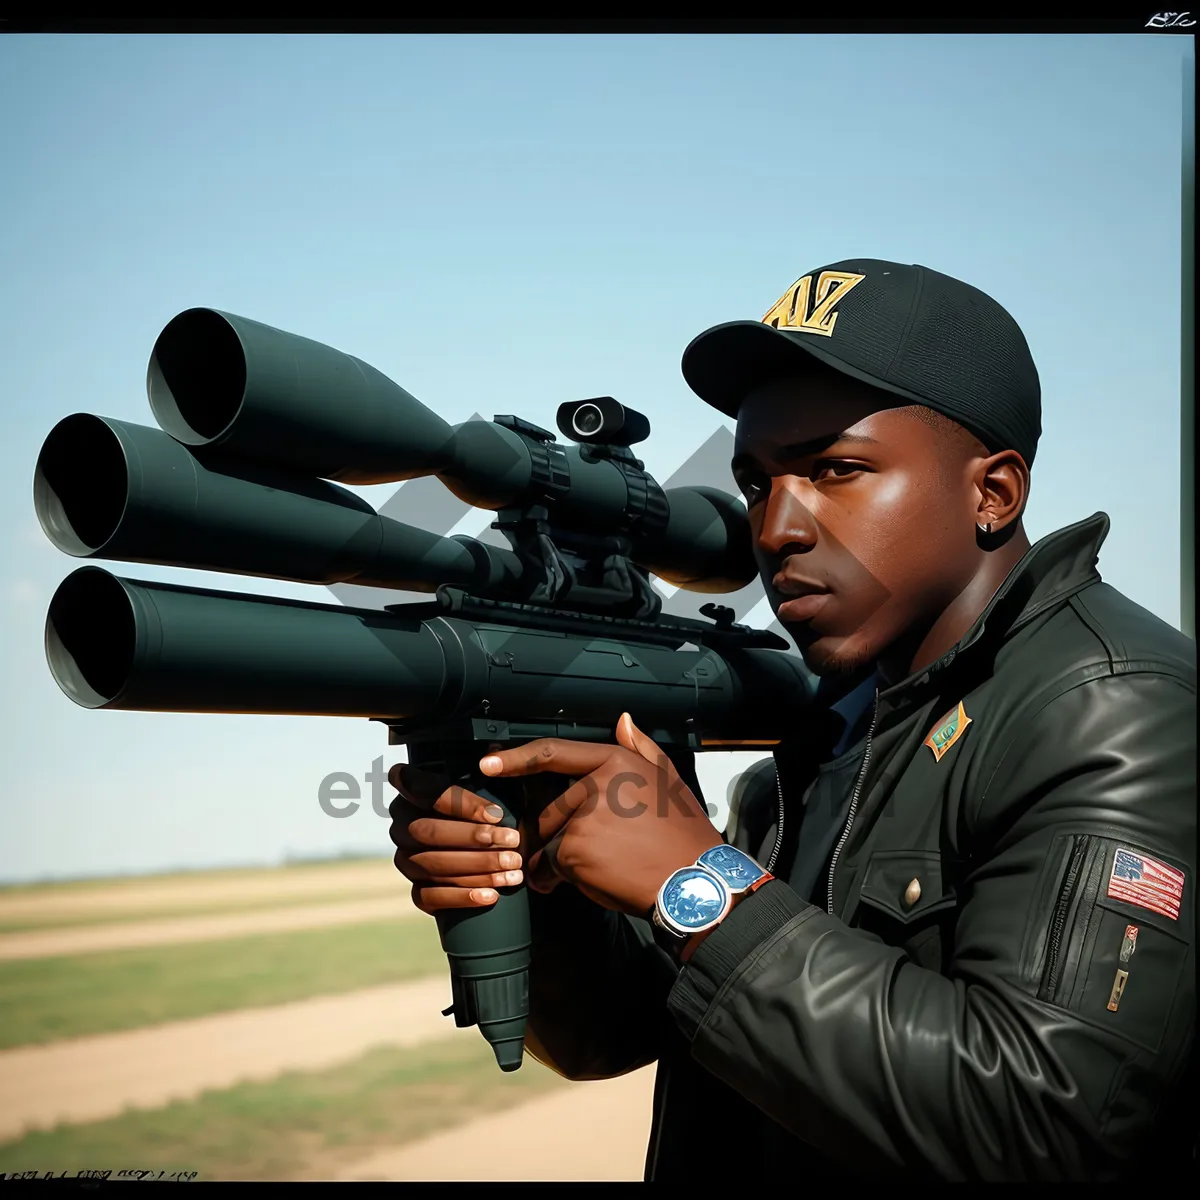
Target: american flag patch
(1146, 882)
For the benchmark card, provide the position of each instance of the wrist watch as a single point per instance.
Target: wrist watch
(696, 899)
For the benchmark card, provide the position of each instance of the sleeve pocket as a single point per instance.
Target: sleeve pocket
(1133, 976)
(1130, 955)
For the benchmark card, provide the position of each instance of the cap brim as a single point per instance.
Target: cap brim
(726, 362)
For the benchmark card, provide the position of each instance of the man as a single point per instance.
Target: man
(966, 945)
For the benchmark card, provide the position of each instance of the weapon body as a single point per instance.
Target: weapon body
(554, 637)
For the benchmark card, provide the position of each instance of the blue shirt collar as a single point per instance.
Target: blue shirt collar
(852, 708)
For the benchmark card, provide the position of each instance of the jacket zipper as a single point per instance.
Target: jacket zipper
(779, 834)
(862, 774)
(1062, 907)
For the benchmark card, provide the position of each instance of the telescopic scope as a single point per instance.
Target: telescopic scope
(219, 382)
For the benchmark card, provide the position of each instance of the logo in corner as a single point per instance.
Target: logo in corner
(947, 731)
(810, 308)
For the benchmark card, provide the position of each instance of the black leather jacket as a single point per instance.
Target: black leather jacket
(1011, 1023)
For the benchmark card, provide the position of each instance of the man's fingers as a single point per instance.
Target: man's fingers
(412, 830)
(620, 789)
(438, 899)
(457, 875)
(441, 834)
(557, 755)
(431, 792)
(403, 815)
(630, 736)
(502, 879)
(418, 786)
(499, 869)
(453, 864)
(550, 820)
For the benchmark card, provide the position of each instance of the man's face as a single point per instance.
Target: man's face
(862, 516)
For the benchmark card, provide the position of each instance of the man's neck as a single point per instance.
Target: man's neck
(926, 646)
(833, 689)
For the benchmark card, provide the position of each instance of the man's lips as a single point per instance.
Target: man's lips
(804, 598)
(803, 608)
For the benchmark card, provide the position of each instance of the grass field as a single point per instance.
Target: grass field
(298, 1126)
(349, 1098)
(45, 999)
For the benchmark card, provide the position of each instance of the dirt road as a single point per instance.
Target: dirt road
(600, 1129)
(88, 1079)
(91, 939)
(143, 897)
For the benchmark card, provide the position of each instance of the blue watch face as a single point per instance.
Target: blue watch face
(737, 869)
(692, 898)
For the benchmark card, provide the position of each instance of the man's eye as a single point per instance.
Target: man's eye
(834, 470)
(752, 491)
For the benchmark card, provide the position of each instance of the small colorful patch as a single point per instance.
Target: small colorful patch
(947, 731)
(1144, 881)
(1118, 990)
(1129, 942)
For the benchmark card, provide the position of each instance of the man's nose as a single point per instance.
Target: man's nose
(787, 520)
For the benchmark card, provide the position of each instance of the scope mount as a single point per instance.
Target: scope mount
(583, 572)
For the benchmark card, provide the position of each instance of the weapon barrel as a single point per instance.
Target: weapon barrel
(220, 380)
(128, 644)
(109, 489)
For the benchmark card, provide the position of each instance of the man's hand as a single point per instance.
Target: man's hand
(448, 843)
(621, 829)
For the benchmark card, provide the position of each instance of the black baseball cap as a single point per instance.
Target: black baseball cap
(917, 333)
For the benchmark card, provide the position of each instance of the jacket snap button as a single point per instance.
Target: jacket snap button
(912, 893)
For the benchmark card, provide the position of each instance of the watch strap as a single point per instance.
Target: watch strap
(724, 851)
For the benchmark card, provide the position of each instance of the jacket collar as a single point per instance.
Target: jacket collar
(1054, 568)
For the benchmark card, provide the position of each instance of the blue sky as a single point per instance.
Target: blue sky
(504, 223)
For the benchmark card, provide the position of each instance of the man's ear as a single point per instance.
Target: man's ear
(1002, 483)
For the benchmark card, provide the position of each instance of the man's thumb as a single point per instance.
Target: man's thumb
(632, 738)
